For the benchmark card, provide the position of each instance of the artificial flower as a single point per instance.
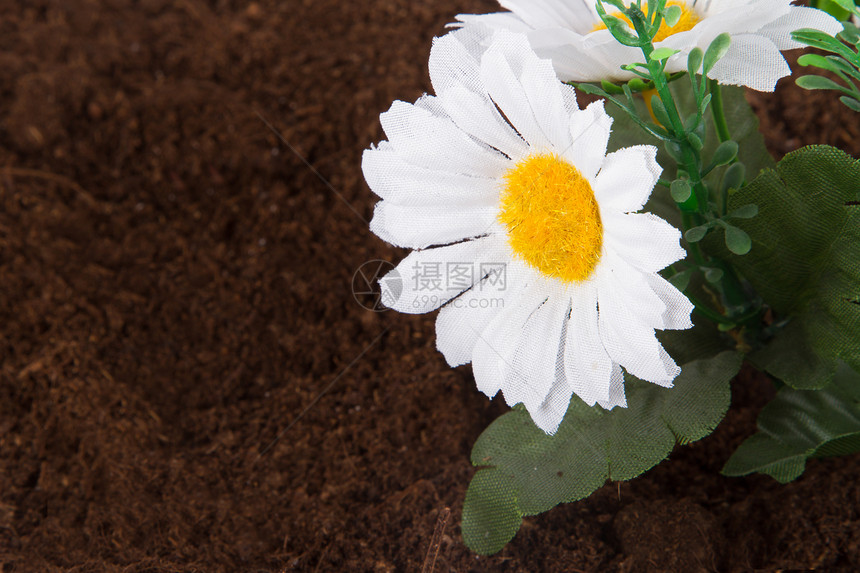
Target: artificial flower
(502, 177)
(572, 35)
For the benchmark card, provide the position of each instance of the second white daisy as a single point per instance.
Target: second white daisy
(504, 169)
(572, 34)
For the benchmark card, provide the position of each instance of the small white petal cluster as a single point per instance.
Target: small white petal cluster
(565, 32)
(440, 175)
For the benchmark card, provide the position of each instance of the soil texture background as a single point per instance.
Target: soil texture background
(186, 381)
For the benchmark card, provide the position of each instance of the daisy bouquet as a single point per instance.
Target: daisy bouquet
(609, 267)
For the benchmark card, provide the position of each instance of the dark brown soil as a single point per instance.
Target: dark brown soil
(175, 296)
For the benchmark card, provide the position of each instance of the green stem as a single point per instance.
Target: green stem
(690, 159)
(707, 312)
(718, 112)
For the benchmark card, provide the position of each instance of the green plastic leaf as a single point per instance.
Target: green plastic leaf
(491, 517)
(620, 31)
(682, 280)
(830, 63)
(802, 424)
(726, 152)
(745, 212)
(680, 190)
(659, 111)
(661, 54)
(804, 262)
(536, 472)
(836, 8)
(752, 151)
(822, 41)
(694, 61)
(852, 103)
(713, 275)
(695, 141)
(672, 15)
(850, 33)
(611, 88)
(737, 240)
(847, 5)
(818, 83)
(734, 177)
(696, 234)
(716, 51)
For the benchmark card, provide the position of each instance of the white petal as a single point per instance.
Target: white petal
(550, 13)
(555, 406)
(423, 226)
(587, 366)
(546, 101)
(623, 285)
(501, 68)
(434, 142)
(779, 31)
(461, 322)
(494, 21)
(644, 240)
(752, 61)
(627, 178)
(494, 350)
(632, 344)
(425, 280)
(678, 306)
(616, 390)
(402, 183)
(589, 134)
(535, 363)
(452, 65)
(455, 73)
(478, 116)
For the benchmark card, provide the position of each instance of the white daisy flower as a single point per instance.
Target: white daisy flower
(556, 288)
(572, 35)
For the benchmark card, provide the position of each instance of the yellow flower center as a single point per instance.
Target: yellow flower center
(689, 18)
(552, 217)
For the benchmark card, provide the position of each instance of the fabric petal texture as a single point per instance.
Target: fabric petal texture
(572, 36)
(485, 178)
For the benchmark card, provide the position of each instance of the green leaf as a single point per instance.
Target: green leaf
(491, 517)
(822, 41)
(536, 472)
(694, 61)
(661, 54)
(680, 190)
(659, 111)
(621, 31)
(737, 240)
(850, 33)
(713, 276)
(745, 212)
(818, 83)
(852, 103)
(733, 177)
(830, 63)
(696, 234)
(752, 151)
(672, 14)
(682, 280)
(611, 88)
(716, 51)
(804, 262)
(802, 424)
(695, 141)
(726, 152)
